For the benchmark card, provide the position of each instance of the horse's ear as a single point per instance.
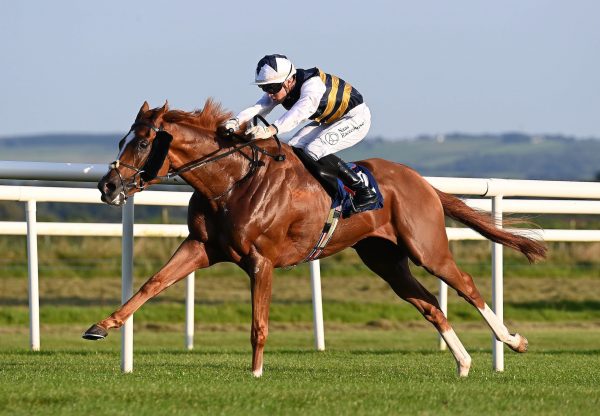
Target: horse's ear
(165, 107)
(145, 107)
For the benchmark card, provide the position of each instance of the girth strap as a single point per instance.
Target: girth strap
(326, 234)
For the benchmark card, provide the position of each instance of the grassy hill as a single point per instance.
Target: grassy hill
(511, 155)
(93, 148)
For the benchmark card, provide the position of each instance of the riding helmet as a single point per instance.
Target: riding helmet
(273, 69)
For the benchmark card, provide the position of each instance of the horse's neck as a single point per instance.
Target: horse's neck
(225, 178)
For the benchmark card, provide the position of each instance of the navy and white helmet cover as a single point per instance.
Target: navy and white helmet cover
(273, 69)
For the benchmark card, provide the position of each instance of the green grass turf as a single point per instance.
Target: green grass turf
(361, 372)
(301, 312)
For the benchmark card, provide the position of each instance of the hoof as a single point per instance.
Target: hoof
(464, 367)
(94, 333)
(257, 373)
(522, 345)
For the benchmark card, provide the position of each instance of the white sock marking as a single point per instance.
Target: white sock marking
(462, 357)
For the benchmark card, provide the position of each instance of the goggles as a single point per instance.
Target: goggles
(271, 88)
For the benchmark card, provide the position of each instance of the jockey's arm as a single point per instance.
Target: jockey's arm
(262, 107)
(310, 95)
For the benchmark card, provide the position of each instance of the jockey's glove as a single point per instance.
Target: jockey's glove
(259, 132)
(232, 124)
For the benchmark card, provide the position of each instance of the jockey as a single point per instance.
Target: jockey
(340, 119)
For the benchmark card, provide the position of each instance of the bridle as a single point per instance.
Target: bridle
(139, 178)
(160, 148)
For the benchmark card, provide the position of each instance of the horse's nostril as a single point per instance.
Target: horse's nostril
(110, 187)
(107, 187)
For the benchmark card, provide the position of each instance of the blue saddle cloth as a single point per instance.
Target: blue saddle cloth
(344, 195)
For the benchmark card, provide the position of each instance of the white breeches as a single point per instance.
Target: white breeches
(318, 140)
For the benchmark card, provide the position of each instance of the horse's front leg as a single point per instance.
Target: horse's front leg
(260, 271)
(191, 255)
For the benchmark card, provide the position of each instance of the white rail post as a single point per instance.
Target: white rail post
(127, 285)
(315, 283)
(32, 265)
(444, 306)
(189, 311)
(497, 285)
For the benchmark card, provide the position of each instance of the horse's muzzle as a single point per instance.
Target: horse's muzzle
(111, 191)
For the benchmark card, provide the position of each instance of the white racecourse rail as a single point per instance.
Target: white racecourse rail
(583, 199)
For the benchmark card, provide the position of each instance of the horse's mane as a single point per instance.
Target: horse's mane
(208, 118)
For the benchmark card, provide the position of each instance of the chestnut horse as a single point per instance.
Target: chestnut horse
(261, 213)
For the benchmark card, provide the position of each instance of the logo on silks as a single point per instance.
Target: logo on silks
(331, 138)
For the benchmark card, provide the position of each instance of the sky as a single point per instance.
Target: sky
(423, 67)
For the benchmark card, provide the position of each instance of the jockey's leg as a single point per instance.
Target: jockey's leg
(364, 195)
(339, 135)
(306, 135)
(329, 168)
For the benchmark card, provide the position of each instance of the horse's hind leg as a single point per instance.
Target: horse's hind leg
(390, 261)
(431, 251)
(190, 255)
(446, 269)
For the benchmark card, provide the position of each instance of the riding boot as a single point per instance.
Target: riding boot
(364, 196)
(325, 173)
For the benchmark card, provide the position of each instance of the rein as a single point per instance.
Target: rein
(279, 157)
(144, 170)
(254, 160)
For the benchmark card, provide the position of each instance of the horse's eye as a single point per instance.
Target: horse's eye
(143, 144)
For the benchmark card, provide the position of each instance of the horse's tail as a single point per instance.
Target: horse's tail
(485, 225)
